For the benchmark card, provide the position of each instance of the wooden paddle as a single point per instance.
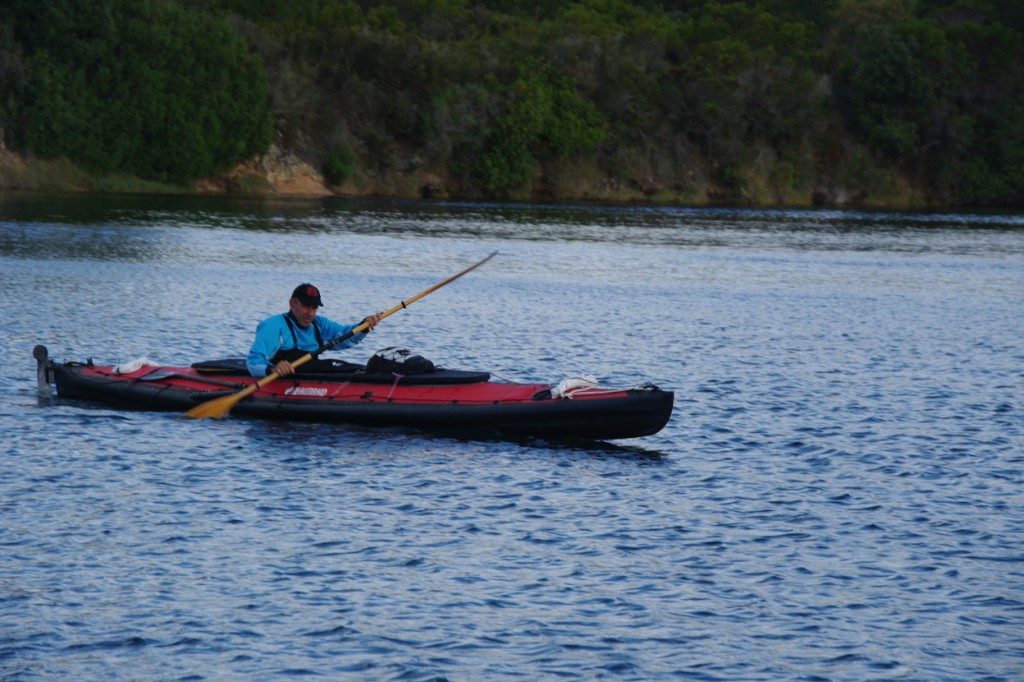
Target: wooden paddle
(218, 407)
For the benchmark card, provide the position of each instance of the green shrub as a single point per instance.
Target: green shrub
(338, 165)
(547, 118)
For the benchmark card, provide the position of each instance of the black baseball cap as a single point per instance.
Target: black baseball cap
(308, 295)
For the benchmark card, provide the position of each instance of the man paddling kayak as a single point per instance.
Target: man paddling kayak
(281, 339)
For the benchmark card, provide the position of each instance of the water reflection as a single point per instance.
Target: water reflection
(323, 439)
(122, 226)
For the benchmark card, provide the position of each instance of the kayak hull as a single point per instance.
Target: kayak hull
(474, 407)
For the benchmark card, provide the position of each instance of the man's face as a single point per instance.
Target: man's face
(302, 312)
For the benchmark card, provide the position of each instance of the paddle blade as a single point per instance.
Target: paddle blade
(218, 407)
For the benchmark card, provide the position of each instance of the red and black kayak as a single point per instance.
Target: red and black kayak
(440, 400)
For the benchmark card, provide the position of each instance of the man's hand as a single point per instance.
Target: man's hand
(284, 368)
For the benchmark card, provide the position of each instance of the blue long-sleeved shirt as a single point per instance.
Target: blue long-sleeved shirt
(273, 334)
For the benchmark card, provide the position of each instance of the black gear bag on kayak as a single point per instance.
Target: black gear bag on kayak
(394, 360)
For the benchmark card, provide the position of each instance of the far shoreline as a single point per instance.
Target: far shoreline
(281, 176)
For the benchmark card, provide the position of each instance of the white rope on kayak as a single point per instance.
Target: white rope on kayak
(398, 377)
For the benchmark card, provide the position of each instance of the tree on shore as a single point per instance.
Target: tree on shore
(145, 87)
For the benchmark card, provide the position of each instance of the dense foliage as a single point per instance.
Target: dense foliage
(146, 87)
(742, 98)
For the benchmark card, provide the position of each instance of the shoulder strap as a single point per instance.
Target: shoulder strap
(291, 328)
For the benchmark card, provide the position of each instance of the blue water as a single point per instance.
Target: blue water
(839, 494)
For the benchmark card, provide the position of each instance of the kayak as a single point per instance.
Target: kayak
(440, 400)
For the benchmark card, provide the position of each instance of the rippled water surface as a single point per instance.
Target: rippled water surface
(839, 494)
